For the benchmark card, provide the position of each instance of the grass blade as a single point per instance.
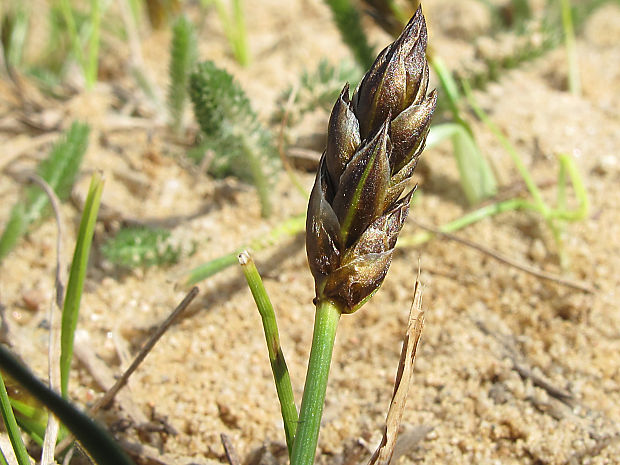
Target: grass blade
(477, 179)
(94, 439)
(76, 279)
(276, 357)
(11, 426)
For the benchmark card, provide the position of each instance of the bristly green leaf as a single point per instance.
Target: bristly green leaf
(142, 247)
(241, 145)
(75, 285)
(59, 170)
(14, 229)
(183, 55)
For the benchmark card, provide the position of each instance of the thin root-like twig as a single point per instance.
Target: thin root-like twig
(231, 454)
(511, 262)
(53, 355)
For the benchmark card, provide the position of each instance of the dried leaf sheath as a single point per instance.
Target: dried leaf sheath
(374, 140)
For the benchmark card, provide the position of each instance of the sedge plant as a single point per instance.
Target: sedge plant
(241, 145)
(360, 202)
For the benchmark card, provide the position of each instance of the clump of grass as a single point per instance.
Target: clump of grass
(242, 147)
(144, 247)
(183, 54)
(59, 170)
(233, 22)
(87, 54)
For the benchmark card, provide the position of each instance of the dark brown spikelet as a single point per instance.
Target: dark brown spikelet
(374, 140)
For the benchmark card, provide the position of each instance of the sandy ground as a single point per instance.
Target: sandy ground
(512, 369)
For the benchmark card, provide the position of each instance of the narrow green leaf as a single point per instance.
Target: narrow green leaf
(477, 178)
(76, 279)
(279, 369)
(14, 229)
(11, 426)
(59, 170)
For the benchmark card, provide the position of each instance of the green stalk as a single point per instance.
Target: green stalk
(258, 175)
(11, 426)
(276, 356)
(92, 67)
(67, 13)
(574, 81)
(240, 40)
(307, 436)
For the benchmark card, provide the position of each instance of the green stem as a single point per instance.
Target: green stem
(574, 81)
(276, 356)
(306, 439)
(92, 65)
(260, 181)
(11, 427)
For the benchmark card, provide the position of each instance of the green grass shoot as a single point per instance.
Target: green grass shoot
(87, 54)
(59, 170)
(279, 369)
(77, 275)
(241, 145)
(183, 54)
(574, 81)
(554, 216)
(11, 426)
(233, 22)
